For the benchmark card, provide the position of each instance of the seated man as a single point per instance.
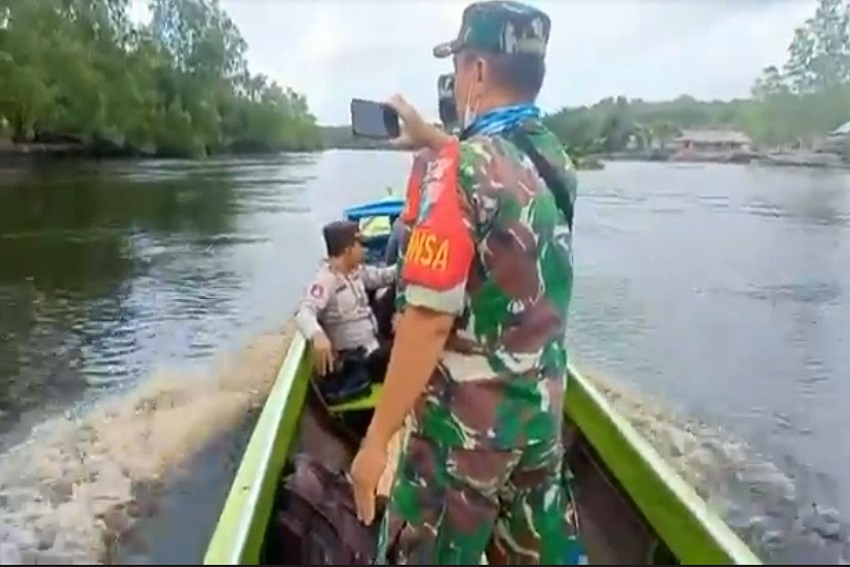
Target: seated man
(335, 315)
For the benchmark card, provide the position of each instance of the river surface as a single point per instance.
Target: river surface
(141, 307)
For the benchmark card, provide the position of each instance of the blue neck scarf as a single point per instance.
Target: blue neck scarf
(501, 119)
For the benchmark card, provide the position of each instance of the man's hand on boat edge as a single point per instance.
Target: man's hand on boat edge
(323, 356)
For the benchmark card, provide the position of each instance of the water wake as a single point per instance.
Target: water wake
(763, 504)
(75, 489)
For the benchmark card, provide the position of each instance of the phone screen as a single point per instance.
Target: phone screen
(374, 120)
(446, 100)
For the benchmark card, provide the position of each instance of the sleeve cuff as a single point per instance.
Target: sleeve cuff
(450, 302)
(308, 327)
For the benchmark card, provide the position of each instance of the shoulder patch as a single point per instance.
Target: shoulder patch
(437, 177)
(440, 248)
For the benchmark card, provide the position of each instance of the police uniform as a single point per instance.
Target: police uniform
(337, 304)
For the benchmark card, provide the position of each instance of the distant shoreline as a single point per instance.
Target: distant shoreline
(14, 154)
(371, 147)
(796, 158)
(11, 152)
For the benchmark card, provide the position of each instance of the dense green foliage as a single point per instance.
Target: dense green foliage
(808, 97)
(179, 85)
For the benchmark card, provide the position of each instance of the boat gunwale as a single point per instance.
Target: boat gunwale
(231, 539)
(681, 517)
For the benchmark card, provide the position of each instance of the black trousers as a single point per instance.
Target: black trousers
(384, 309)
(355, 371)
(377, 361)
(357, 360)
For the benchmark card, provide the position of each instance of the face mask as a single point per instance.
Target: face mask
(470, 111)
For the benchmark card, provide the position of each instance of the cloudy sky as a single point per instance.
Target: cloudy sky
(334, 50)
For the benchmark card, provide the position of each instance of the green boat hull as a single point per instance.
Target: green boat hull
(634, 508)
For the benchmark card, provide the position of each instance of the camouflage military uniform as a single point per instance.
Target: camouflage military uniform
(482, 470)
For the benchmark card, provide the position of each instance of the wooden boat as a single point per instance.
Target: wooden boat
(633, 508)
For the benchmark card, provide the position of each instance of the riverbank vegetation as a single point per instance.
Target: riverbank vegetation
(793, 104)
(81, 75)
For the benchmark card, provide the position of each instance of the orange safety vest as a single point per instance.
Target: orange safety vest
(413, 193)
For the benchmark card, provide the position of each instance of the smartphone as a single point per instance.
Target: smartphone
(371, 119)
(446, 100)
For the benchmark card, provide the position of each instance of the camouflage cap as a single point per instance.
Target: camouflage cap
(500, 26)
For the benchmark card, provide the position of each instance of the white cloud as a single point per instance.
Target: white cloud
(334, 50)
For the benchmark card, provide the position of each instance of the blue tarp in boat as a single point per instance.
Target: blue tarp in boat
(386, 207)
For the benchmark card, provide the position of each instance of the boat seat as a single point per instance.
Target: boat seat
(366, 402)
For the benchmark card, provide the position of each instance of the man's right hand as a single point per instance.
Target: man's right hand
(416, 132)
(323, 355)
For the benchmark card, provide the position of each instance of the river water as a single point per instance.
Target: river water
(142, 304)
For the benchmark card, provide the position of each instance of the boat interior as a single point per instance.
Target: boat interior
(613, 531)
(632, 508)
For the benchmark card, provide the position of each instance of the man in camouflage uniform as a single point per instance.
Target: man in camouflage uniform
(482, 470)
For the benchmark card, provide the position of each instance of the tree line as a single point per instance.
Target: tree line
(793, 104)
(81, 72)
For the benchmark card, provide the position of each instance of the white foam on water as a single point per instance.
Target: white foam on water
(763, 504)
(699, 452)
(71, 491)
